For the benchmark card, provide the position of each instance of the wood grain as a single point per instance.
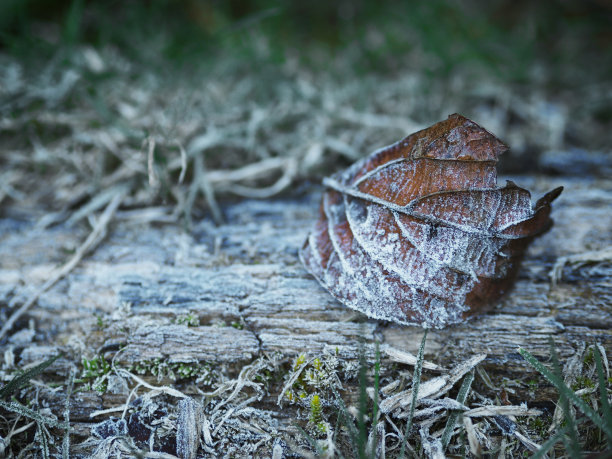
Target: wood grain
(245, 285)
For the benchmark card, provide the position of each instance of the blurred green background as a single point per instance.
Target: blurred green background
(560, 41)
(288, 91)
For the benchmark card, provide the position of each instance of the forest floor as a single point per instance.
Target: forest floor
(150, 219)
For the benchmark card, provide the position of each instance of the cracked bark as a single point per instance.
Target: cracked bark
(245, 285)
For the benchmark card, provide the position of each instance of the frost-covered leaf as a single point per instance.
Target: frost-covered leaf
(419, 233)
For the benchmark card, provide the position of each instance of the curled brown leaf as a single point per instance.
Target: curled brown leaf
(419, 233)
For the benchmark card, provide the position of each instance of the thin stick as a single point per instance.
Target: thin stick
(114, 409)
(416, 382)
(454, 415)
(153, 181)
(162, 389)
(66, 440)
(183, 162)
(207, 189)
(92, 240)
(14, 432)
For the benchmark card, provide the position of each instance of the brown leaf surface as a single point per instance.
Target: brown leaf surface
(419, 233)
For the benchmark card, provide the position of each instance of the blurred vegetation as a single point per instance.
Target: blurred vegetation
(556, 41)
(160, 95)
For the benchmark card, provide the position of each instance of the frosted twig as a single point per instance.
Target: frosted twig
(432, 388)
(6, 188)
(249, 172)
(244, 379)
(283, 182)
(159, 455)
(223, 419)
(183, 161)
(153, 179)
(156, 390)
(96, 203)
(66, 439)
(497, 410)
(579, 259)
(407, 358)
(127, 402)
(114, 409)
(92, 240)
(204, 185)
(34, 415)
(14, 432)
(529, 444)
(472, 438)
(159, 389)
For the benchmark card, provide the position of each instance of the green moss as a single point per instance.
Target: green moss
(315, 388)
(539, 425)
(265, 376)
(93, 375)
(589, 357)
(317, 424)
(315, 409)
(176, 371)
(322, 427)
(299, 361)
(100, 323)
(191, 320)
(582, 382)
(309, 379)
(532, 385)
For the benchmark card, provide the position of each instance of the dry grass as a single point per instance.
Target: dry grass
(156, 420)
(90, 132)
(86, 122)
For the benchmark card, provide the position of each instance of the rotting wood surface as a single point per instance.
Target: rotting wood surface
(247, 273)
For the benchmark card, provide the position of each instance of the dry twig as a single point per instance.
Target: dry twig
(96, 235)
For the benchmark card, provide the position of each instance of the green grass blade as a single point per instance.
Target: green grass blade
(72, 24)
(34, 415)
(66, 439)
(20, 380)
(43, 441)
(561, 387)
(603, 392)
(363, 404)
(452, 419)
(344, 418)
(375, 407)
(310, 440)
(416, 382)
(548, 444)
(572, 445)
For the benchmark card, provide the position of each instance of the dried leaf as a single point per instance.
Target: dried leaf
(432, 388)
(419, 233)
(400, 356)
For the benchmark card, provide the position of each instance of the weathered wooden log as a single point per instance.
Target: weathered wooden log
(245, 294)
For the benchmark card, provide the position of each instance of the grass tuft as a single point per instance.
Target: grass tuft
(416, 382)
(452, 418)
(567, 397)
(22, 379)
